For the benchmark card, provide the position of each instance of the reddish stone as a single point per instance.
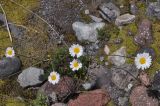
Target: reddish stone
(144, 78)
(92, 98)
(65, 86)
(139, 97)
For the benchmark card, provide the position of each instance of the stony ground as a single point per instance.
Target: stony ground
(111, 32)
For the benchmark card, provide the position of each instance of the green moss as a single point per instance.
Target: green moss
(111, 103)
(17, 14)
(14, 102)
(103, 34)
(85, 17)
(41, 100)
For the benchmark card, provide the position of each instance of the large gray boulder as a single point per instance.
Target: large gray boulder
(9, 66)
(30, 77)
(87, 32)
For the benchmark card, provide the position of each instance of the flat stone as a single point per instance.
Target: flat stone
(87, 32)
(97, 97)
(9, 66)
(153, 10)
(124, 19)
(118, 58)
(144, 78)
(31, 77)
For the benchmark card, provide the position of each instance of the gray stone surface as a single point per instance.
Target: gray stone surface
(9, 66)
(109, 11)
(30, 77)
(153, 10)
(124, 75)
(144, 36)
(125, 19)
(87, 32)
(118, 57)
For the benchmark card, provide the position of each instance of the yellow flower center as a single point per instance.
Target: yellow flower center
(142, 60)
(53, 77)
(76, 50)
(76, 64)
(9, 52)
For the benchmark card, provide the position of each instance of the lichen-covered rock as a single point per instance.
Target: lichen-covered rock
(30, 77)
(109, 11)
(65, 87)
(87, 32)
(124, 19)
(144, 35)
(124, 76)
(118, 58)
(139, 97)
(9, 66)
(97, 97)
(153, 9)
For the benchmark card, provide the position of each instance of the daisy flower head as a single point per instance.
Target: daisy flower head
(76, 50)
(10, 52)
(75, 65)
(143, 61)
(54, 77)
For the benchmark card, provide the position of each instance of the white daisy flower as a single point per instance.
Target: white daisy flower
(75, 65)
(143, 61)
(54, 77)
(76, 50)
(10, 52)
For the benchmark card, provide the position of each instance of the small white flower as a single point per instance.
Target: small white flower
(10, 52)
(75, 65)
(143, 61)
(54, 77)
(76, 50)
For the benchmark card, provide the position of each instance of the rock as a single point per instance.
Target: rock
(59, 104)
(87, 32)
(101, 58)
(133, 8)
(124, 19)
(65, 87)
(123, 101)
(88, 85)
(144, 35)
(153, 10)
(86, 11)
(9, 66)
(144, 78)
(96, 19)
(124, 76)
(149, 50)
(118, 57)
(97, 97)
(102, 78)
(106, 50)
(31, 77)
(53, 97)
(154, 90)
(139, 97)
(109, 11)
